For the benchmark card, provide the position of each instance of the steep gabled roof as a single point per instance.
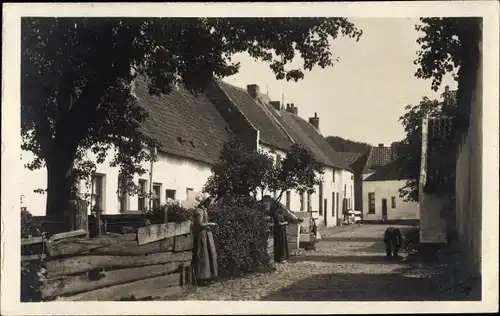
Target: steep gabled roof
(305, 134)
(378, 157)
(349, 157)
(388, 172)
(270, 132)
(185, 125)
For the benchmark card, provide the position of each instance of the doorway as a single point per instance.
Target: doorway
(337, 207)
(384, 210)
(325, 207)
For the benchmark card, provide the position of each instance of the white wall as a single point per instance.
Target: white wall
(432, 224)
(171, 172)
(329, 186)
(387, 190)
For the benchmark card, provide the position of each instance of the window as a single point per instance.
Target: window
(371, 203)
(320, 200)
(333, 175)
(169, 194)
(156, 195)
(97, 198)
(141, 201)
(309, 209)
(302, 201)
(122, 195)
(393, 201)
(189, 191)
(345, 190)
(288, 199)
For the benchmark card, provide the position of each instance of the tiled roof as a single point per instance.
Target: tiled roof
(388, 172)
(305, 134)
(378, 157)
(185, 125)
(349, 157)
(270, 132)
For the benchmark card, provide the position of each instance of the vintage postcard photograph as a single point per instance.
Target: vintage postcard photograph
(250, 158)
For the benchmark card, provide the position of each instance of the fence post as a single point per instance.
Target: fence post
(77, 215)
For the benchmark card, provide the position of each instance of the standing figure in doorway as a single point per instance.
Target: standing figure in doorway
(281, 253)
(392, 240)
(204, 253)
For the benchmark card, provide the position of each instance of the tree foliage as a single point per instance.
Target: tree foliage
(447, 46)
(239, 172)
(76, 75)
(242, 172)
(410, 151)
(450, 45)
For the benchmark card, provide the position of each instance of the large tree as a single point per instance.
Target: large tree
(76, 75)
(447, 46)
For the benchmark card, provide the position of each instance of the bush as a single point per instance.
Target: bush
(240, 237)
(175, 213)
(29, 226)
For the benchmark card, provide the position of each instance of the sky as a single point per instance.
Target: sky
(363, 95)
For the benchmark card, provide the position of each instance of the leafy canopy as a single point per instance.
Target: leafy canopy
(242, 172)
(76, 75)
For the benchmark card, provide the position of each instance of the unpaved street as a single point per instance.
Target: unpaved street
(349, 264)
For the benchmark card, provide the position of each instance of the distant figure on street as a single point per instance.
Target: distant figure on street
(281, 252)
(204, 253)
(393, 241)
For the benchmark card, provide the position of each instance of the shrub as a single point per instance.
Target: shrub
(175, 213)
(29, 226)
(240, 237)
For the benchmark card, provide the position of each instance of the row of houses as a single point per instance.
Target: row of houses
(377, 180)
(192, 130)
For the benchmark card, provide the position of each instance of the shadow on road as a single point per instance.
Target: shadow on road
(381, 258)
(362, 287)
(352, 239)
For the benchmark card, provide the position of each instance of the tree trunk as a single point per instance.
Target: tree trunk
(59, 185)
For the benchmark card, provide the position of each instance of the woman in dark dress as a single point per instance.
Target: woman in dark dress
(204, 253)
(281, 253)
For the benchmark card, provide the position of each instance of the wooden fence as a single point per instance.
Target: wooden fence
(127, 261)
(155, 261)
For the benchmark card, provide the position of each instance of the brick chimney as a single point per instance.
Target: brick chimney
(314, 121)
(291, 108)
(381, 145)
(276, 105)
(253, 90)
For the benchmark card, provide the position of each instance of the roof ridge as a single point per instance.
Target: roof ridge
(232, 102)
(275, 120)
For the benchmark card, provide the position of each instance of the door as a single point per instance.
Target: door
(325, 207)
(384, 210)
(337, 207)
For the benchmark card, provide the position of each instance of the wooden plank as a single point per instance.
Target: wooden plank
(181, 243)
(70, 234)
(71, 285)
(67, 247)
(127, 248)
(80, 264)
(152, 233)
(31, 241)
(38, 256)
(154, 287)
